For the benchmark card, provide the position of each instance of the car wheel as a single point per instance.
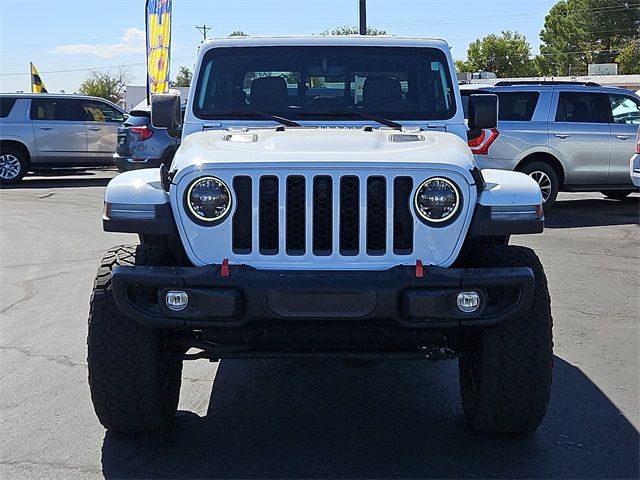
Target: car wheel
(505, 379)
(13, 165)
(134, 377)
(547, 179)
(617, 194)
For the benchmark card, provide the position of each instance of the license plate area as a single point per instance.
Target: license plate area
(302, 303)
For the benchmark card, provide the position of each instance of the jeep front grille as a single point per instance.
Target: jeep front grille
(325, 215)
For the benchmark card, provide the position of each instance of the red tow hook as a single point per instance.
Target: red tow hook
(419, 269)
(224, 269)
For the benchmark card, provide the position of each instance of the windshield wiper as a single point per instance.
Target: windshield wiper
(381, 120)
(252, 113)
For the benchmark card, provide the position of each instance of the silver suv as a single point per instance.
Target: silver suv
(568, 136)
(42, 131)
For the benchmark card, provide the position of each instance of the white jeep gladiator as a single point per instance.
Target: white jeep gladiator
(324, 202)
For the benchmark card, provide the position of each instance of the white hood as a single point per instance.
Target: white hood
(323, 145)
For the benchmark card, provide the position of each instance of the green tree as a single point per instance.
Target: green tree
(349, 30)
(183, 79)
(109, 85)
(629, 59)
(506, 55)
(238, 33)
(579, 32)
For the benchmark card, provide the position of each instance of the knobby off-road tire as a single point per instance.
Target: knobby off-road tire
(505, 387)
(134, 381)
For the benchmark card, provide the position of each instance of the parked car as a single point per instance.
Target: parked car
(635, 163)
(45, 131)
(353, 224)
(140, 145)
(568, 136)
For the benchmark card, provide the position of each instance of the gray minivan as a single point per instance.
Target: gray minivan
(569, 136)
(45, 131)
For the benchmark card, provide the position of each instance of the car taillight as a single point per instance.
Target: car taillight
(480, 145)
(143, 132)
(638, 142)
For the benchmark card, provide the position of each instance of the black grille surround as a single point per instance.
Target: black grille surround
(361, 204)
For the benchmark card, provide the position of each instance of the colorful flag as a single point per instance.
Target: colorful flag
(37, 85)
(158, 21)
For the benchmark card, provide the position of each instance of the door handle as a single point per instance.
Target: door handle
(46, 128)
(94, 129)
(622, 137)
(561, 135)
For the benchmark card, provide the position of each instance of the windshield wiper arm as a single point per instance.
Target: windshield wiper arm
(381, 120)
(252, 113)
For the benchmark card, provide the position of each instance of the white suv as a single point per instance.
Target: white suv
(323, 202)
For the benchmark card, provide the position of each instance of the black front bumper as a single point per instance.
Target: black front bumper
(247, 298)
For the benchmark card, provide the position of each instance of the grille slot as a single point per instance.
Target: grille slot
(322, 215)
(402, 218)
(268, 213)
(296, 215)
(241, 229)
(376, 215)
(349, 215)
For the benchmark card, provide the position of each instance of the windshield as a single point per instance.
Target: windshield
(324, 83)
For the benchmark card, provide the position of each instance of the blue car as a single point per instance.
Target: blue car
(139, 145)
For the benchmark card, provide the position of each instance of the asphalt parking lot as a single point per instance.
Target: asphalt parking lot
(311, 418)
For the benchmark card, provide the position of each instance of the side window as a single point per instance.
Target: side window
(625, 109)
(6, 104)
(101, 112)
(517, 106)
(584, 107)
(58, 109)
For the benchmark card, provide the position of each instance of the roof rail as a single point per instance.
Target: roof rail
(505, 83)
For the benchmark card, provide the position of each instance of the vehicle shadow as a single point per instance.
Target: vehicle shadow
(64, 179)
(323, 419)
(593, 213)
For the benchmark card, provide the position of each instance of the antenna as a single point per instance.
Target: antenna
(203, 29)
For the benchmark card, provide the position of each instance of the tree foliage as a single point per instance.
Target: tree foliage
(506, 55)
(349, 30)
(183, 79)
(108, 84)
(238, 33)
(579, 32)
(629, 59)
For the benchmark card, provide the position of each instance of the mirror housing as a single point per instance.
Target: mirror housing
(483, 111)
(165, 111)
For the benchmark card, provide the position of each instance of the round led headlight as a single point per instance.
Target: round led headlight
(437, 200)
(208, 199)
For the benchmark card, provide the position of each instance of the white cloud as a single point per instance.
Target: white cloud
(132, 41)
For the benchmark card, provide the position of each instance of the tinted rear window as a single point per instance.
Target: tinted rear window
(584, 107)
(6, 104)
(517, 106)
(137, 121)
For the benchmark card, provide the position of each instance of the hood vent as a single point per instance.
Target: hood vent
(406, 137)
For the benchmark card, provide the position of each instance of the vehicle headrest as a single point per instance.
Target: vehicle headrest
(269, 94)
(379, 89)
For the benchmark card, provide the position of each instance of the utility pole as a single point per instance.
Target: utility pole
(203, 30)
(363, 17)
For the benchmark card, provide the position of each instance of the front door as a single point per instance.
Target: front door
(102, 123)
(625, 111)
(59, 130)
(580, 133)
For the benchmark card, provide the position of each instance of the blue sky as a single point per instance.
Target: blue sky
(66, 38)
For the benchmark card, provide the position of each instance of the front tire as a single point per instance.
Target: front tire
(505, 383)
(133, 377)
(13, 165)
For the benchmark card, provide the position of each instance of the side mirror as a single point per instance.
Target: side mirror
(165, 111)
(483, 111)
